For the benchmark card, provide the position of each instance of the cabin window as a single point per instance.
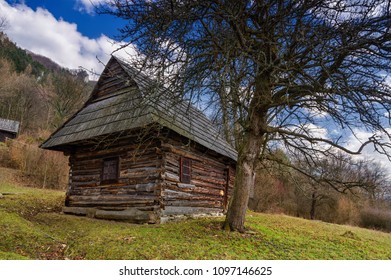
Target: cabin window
(185, 170)
(110, 170)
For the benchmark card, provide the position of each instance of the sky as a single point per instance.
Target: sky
(67, 31)
(70, 33)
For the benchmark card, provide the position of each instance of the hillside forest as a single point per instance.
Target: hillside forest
(41, 95)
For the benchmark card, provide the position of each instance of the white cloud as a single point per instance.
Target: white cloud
(360, 136)
(352, 142)
(40, 32)
(88, 5)
(314, 131)
(310, 131)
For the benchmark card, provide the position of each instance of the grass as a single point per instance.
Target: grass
(32, 227)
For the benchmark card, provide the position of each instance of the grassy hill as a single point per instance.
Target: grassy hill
(32, 227)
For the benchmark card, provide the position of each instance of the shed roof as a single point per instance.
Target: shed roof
(135, 107)
(9, 125)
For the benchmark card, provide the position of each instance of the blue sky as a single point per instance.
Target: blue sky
(79, 12)
(67, 31)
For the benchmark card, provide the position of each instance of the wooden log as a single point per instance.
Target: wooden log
(189, 188)
(89, 184)
(180, 152)
(211, 180)
(171, 177)
(195, 203)
(178, 210)
(131, 215)
(209, 171)
(92, 155)
(200, 183)
(143, 179)
(140, 171)
(170, 195)
(85, 178)
(172, 170)
(186, 186)
(86, 172)
(111, 204)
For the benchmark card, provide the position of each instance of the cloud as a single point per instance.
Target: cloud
(307, 131)
(360, 136)
(40, 32)
(88, 5)
(353, 142)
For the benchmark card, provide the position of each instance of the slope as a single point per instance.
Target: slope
(32, 227)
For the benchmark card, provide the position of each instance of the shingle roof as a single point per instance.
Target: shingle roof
(9, 125)
(137, 107)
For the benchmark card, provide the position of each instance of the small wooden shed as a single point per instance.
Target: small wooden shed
(138, 154)
(8, 129)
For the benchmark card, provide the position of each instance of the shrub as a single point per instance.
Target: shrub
(5, 157)
(376, 218)
(46, 169)
(347, 211)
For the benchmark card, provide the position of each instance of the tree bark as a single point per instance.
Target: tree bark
(248, 158)
(313, 206)
(244, 181)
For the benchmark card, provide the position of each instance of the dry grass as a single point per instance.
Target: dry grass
(46, 169)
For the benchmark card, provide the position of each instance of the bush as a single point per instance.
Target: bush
(46, 169)
(347, 211)
(376, 219)
(5, 157)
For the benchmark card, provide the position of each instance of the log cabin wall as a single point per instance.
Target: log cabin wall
(211, 183)
(134, 197)
(149, 186)
(112, 80)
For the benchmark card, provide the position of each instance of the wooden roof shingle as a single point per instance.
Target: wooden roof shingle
(9, 125)
(136, 107)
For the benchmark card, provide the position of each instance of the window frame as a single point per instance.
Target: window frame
(117, 173)
(185, 178)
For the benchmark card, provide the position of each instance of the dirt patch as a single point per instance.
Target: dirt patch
(350, 234)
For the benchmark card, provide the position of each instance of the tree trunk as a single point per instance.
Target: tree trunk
(313, 206)
(248, 155)
(244, 181)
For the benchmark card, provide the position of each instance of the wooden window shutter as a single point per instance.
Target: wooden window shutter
(110, 171)
(185, 170)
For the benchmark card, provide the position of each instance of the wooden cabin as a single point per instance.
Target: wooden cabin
(8, 129)
(138, 154)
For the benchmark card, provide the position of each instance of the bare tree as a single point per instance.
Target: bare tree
(68, 93)
(279, 70)
(18, 98)
(321, 180)
(3, 24)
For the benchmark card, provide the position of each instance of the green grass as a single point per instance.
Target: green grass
(32, 227)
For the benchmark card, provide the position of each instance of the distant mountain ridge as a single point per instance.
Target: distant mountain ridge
(45, 61)
(40, 65)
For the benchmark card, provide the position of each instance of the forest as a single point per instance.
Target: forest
(40, 97)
